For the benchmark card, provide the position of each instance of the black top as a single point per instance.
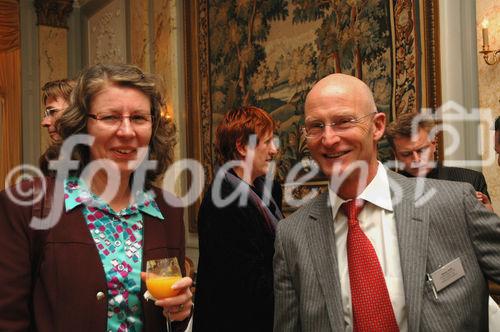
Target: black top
(457, 174)
(234, 288)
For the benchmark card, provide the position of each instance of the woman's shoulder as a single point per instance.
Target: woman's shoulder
(28, 192)
(217, 195)
(24, 200)
(166, 200)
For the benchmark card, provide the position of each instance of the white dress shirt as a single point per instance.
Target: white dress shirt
(377, 222)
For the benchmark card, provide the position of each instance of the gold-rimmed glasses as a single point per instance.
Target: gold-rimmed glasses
(314, 129)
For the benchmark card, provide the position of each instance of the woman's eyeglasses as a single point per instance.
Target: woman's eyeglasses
(114, 120)
(50, 112)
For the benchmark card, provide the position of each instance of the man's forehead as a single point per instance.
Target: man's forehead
(332, 113)
(406, 143)
(332, 109)
(324, 92)
(334, 102)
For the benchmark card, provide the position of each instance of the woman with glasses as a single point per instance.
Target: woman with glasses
(84, 273)
(236, 228)
(56, 98)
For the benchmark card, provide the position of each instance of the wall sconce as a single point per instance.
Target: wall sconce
(491, 57)
(166, 112)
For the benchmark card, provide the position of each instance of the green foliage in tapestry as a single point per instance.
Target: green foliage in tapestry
(268, 53)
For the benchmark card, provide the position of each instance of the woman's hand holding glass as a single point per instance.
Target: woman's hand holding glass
(172, 292)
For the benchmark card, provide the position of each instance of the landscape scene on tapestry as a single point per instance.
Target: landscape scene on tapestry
(269, 53)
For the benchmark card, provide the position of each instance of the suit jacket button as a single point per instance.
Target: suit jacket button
(100, 296)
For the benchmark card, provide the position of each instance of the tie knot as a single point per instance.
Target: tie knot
(353, 208)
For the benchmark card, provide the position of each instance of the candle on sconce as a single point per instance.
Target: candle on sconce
(166, 112)
(486, 42)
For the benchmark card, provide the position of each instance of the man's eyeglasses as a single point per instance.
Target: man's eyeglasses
(420, 151)
(50, 112)
(315, 129)
(114, 120)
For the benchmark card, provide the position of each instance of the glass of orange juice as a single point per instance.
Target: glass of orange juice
(161, 274)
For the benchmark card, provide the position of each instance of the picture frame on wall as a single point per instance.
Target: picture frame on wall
(270, 53)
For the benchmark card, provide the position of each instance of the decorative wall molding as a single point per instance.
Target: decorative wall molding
(30, 84)
(140, 42)
(107, 34)
(53, 13)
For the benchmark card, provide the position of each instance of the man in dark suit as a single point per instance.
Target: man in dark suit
(377, 252)
(412, 139)
(497, 138)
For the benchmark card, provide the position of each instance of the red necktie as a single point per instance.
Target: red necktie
(371, 305)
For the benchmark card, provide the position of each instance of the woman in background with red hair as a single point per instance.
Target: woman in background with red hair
(237, 229)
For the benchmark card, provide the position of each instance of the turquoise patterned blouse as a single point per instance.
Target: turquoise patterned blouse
(118, 238)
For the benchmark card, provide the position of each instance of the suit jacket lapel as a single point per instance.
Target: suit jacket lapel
(321, 239)
(412, 224)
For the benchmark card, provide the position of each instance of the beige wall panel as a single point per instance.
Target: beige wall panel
(53, 56)
(164, 47)
(168, 64)
(107, 34)
(139, 34)
(489, 90)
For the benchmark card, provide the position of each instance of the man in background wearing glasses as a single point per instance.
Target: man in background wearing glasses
(379, 251)
(412, 138)
(415, 154)
(55, 97)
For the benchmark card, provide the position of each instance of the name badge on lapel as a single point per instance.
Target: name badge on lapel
(448, 274)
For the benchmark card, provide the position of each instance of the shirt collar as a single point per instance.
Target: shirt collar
(377, 192)
(76, 193)
(146, 203)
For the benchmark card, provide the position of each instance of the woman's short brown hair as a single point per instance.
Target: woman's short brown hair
(57, 89)
(96, 78)
(236, 128)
